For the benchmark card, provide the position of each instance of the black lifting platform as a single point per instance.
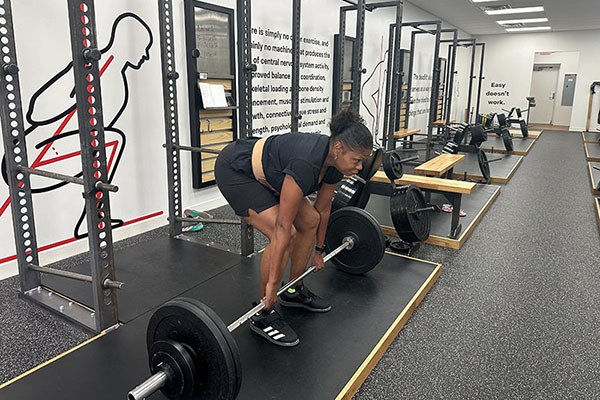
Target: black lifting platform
(502, 170)
(475, 206)
(337, 351)
(521, 146)
(153, 271)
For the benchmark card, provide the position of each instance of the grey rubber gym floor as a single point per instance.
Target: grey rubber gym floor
(515, 314)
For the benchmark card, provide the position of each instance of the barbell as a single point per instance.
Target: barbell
(191, 352)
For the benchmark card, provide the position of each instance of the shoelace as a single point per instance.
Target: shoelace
(306, 291)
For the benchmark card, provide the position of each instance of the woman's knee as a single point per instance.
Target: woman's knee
(308, 221)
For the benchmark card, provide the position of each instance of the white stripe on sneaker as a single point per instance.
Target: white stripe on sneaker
(275, 332)
(267, 329)
(278, 336)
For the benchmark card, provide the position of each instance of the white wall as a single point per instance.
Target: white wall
(510, 57)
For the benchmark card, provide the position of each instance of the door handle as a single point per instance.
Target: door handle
(552, 96)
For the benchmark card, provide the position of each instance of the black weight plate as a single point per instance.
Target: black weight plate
(216, 356)
(181, 364)
(369, 244)
(484, 165)
(392, 165)
(460, 135)
(507, 139)
(502, 120)
(478, 135)
(411, 225)
(371, 164)
(349, 193)
(524, 128)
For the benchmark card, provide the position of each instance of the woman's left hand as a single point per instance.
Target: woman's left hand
(317, 261)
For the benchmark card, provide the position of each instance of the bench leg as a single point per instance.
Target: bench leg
(455, 227)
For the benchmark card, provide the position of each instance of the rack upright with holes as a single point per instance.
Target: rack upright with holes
(93, 156)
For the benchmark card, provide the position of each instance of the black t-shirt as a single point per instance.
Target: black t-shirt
(300, 155)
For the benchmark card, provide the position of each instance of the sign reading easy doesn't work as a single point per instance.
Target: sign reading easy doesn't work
(497, 93)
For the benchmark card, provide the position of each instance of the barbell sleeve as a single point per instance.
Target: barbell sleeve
(65, 178)
(149, 386)
(348, 242)
(107, 284)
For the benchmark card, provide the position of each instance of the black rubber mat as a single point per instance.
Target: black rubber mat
(333, 345)
(592, 151)
(502, 170)
(153, 272)
(521, 146)
(472, 204)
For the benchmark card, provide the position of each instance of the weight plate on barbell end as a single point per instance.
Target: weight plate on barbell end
(507, 139)
(371, 164)
(369, 246)
(524, 128)
(484, 165)
(350, 193)
(392, 165)
(411, 225)
(214, 351)
(181, 368)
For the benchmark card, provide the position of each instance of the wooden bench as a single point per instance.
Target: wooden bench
(451, 189)
(438, 166)
(403, 133)
(442, 122)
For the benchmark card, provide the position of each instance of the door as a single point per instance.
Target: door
(543, 88)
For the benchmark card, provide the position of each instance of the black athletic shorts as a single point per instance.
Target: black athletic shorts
(241, 191)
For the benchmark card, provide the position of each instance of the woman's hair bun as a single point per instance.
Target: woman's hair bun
(343, 120)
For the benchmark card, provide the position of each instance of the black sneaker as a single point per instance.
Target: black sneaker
(272, 327)
(301, 296)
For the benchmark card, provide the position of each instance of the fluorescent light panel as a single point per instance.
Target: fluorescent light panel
(483, 1)
(529, 28)
(522, 21)
(521, 10)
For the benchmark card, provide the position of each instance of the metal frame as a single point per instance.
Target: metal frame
(93, 159)
(361, 6)
(446, 115)
(473, 44)
(435, 78)
(469, 43)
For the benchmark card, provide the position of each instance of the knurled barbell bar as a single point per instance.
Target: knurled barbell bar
(191, 352)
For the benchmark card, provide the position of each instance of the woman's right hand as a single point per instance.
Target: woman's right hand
(270, 296)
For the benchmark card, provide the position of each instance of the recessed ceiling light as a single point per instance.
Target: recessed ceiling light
(521, 10)
(522, 21)
(529, 29)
